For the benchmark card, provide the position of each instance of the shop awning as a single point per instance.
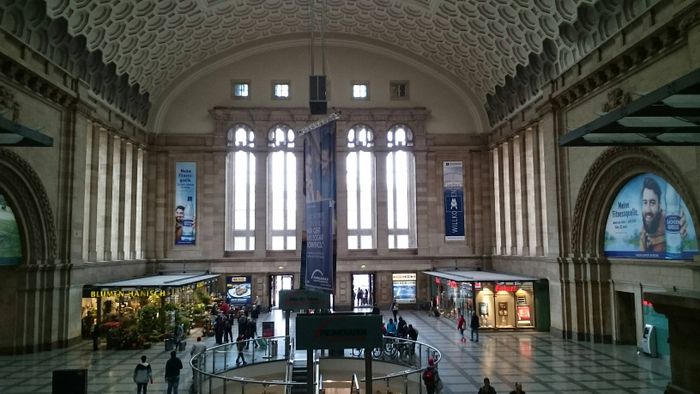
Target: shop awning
(163, 281)
(667, 116)
(480, 276)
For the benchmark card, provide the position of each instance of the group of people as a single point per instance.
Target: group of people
(433, 383)
(361, 297)
(473, 324)
(143, 374)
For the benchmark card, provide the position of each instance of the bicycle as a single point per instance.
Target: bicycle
(377, 352)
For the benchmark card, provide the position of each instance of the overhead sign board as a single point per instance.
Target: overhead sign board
(292, 300)
(333, 331)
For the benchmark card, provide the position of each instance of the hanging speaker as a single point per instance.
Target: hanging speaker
(317, 95)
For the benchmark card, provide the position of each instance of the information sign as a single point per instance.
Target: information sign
(334, 331)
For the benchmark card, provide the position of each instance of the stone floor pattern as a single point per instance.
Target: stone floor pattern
(542, 362)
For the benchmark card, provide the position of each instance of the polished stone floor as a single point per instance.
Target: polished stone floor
(542, 362)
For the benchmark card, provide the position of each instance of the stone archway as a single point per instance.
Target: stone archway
(586, 273)
(30, 289)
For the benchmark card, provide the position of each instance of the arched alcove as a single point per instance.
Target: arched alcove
(30, 290)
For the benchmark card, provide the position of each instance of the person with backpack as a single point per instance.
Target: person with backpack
(431, 378)
(143, 374)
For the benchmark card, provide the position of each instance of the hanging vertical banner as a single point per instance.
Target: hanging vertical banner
(453, 196)
(319, 188)
(185, 203)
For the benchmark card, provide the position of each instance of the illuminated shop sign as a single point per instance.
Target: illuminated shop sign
(452, 284)
(94, 293)
(404, 288)
(511, 288)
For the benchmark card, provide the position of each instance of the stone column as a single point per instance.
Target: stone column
(260, 203)
(121, 205)
(109, 197)
(521, 192)
(382, 225)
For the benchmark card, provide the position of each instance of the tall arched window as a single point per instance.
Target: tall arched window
(281, 189)
(240, 189)
(360, 176)
(401, 188)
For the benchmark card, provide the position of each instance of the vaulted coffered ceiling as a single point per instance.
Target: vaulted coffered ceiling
(501, 50)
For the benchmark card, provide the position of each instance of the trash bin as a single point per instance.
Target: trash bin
(69, 381)
(182, 347)
(272, 348)
(169, 344)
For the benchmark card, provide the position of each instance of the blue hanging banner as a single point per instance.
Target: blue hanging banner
(453, 196)
(319, 188)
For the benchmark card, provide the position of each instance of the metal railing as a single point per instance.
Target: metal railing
(215, 370)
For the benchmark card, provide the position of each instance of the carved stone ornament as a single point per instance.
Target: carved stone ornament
(616, 99)
(9, 107)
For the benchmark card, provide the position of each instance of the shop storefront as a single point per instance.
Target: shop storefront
(501, 301)
(146, 305)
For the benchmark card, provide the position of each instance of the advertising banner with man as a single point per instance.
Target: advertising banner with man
(453, 197)
(185, 203)
(649, 220)
(319, 188)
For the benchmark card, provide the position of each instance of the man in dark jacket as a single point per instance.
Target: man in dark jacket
(172, 372)
(474, 325)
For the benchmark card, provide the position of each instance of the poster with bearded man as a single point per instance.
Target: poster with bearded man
(648, 219)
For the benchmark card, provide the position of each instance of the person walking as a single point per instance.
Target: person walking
(431, 378)
(198, 348)
(240, 343)
(475, 327)
(95, 337)
(172, 372)
(395, 309)
(518, 389)
(487, 388)
(143, 374)
(461, 325)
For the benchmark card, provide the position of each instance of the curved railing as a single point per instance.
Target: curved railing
(216, 370)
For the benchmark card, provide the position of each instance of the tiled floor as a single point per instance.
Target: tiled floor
(543, 363)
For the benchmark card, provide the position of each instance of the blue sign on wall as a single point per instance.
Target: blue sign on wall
(185, 203)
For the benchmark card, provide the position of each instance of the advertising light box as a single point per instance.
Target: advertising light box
(404, 288)
(649, 220)
(239, 290)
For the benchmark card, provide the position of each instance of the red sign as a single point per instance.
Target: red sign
(437, 280)
(452, 284)
(508, 288)
(647, 303)
(268, 329)
(523, 313)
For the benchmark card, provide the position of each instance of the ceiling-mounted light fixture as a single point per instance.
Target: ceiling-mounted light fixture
(317, 83)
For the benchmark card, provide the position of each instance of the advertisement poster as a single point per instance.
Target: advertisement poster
(239, 290)
(453, 198)
(10, 243)
(319, 188)
(649, 220)
(404, 288)
(185, 203)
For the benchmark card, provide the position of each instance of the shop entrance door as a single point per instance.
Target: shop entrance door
(277, 283)
(626, 323)
(362, 290)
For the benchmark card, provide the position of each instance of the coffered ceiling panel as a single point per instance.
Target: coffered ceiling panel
(501, 51)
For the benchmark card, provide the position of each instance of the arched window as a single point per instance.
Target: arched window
(240, 189)
(281, 189)
(360, 178)
(401, 188)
